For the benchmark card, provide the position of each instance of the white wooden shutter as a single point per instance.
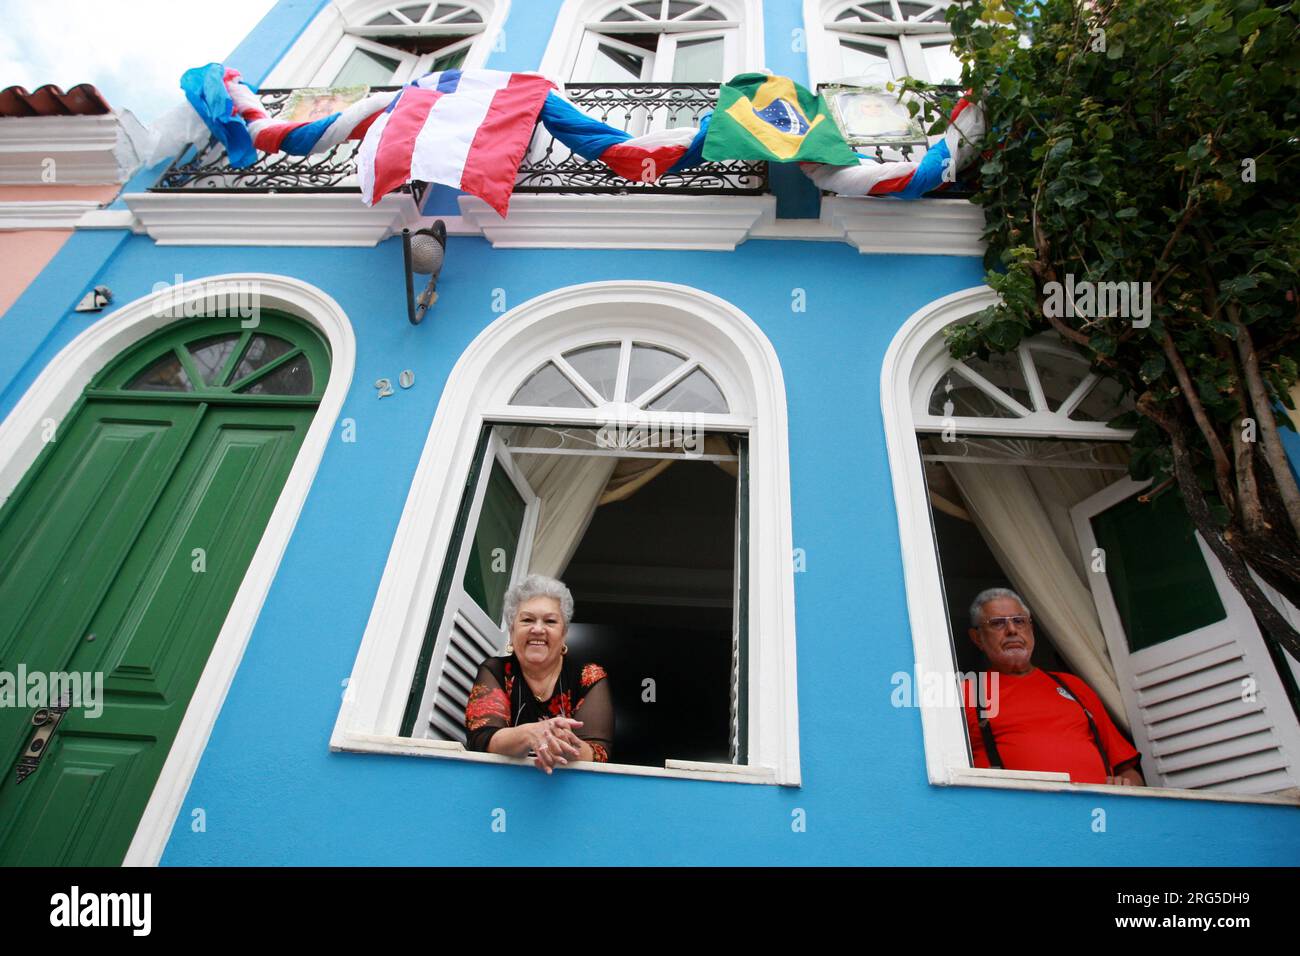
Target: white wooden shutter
(467, 633)
(1189, 698)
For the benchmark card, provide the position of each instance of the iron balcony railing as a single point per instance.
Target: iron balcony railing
(548, 167)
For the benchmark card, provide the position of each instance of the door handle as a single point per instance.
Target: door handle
(45, 720)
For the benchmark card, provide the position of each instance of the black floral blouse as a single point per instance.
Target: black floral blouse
(502, 698)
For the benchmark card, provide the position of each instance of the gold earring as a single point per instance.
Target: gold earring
(510, 649)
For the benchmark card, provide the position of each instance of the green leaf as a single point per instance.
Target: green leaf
(1152, 368)
(1103, 344)
(1202, 13)
(1103, 132)
(1129, 212)
(1059, 149)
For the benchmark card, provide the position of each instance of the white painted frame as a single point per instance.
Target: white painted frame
(902, 39)
(53, 395)
(745, 17)
(744, 366)
(334, 26)
(912, 354)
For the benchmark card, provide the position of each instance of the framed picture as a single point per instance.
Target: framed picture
(309, 105)
(873, 116)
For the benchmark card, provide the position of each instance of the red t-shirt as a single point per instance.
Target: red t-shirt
(1037, 727)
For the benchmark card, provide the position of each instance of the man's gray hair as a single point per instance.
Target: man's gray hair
(538, 585)
(992, 594)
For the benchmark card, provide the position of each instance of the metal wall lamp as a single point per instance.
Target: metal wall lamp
(423, 252)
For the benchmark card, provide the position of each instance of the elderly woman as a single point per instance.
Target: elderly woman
(536, 701)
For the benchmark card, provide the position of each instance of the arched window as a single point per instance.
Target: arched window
(377, 43)
(612, 435)
(655, 41)
(1006, 473)
(880, 41)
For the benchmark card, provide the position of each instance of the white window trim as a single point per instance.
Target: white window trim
(52, 396)
(746, 369)
(824, 43)
(943, 727)
(576, 15)
(322, 38)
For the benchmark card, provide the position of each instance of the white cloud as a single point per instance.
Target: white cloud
(134, 51)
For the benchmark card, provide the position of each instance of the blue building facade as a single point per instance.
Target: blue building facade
(842, 774)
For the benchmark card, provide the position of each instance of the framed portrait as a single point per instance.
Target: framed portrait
(309, 105)
(873, 116)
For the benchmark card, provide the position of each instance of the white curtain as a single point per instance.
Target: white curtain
(1023, 515)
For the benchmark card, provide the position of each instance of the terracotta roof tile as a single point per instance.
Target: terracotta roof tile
(49, 100)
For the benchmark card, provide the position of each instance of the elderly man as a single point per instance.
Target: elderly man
(1041, 720)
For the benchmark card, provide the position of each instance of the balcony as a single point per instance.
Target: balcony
(548, 166)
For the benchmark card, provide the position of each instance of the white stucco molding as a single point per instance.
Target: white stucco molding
(53, 394)
(202, 218)
(68, 150)
(50, 214)
(727, 342)
(620, 222)
(948, 227)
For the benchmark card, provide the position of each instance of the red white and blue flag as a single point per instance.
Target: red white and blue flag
(463, 128)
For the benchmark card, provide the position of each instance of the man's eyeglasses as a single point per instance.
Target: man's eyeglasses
(1000, 623)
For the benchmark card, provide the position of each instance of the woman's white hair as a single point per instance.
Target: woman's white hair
(538, 585)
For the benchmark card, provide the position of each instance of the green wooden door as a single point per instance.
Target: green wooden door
(120, 554)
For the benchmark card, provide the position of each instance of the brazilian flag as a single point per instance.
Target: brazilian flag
(773, 118)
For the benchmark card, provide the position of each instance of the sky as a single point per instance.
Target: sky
(134, 51)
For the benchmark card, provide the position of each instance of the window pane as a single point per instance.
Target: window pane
(1004, 372)
(450, 61)
(677, 8)
(164, 375)
(941, 64)
(967, 401)
(707, 13)
(261, 351)
(695, 393)
(291, 378)
(648, 365)
(612, 65)
(856, 13)
(210, 355)
(699, 61)
(385, 20)
(364, 68)
(871, 63)
(913, 11)
(550, 388)
(651, 8)
(414, 13)
(1107, 400)
(499, 526)
(1155, 570)
(598, 364)
(1059, 375)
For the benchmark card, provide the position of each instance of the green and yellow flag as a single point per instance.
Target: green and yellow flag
(773, 118)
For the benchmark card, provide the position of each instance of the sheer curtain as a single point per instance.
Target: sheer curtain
(1023, 514)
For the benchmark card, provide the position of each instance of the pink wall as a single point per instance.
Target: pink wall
(25, 252)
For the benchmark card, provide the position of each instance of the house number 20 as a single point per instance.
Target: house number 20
(385, 386)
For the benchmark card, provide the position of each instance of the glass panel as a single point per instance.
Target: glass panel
(649, 364)
(210, 355)
(1059, 375)
(868, 62)
(549, 387)
(164, 375)
(261, 351)
(469, 16)
(1107, 400)
(414, 13)
(698, 61)
(619, 16)
(967, 400)
(708, 13)
(499, 526)
(450, 61)
(291, 378)
(1004, 372)
(651, 8)
(940, 62)
(695, 393)
(1155, 570)
(677, 8)
(364, 68)
(856, 13)
(385, 20)
(598, 364)
(913, 11)
(612, 65)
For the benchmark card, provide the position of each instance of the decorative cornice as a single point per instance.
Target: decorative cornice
(269, 219)
(620, 222)
(84, 150)
(942, 227)
(54, 214)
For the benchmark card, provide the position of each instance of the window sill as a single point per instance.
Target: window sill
(1042, 780)
(680, 769)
